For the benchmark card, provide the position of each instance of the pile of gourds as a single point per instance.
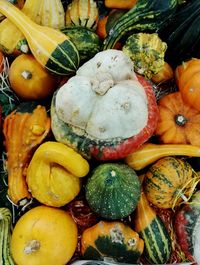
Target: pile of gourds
(99, 134)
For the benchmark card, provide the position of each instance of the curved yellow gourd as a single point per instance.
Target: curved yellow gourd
(51, 48)
(54, 173)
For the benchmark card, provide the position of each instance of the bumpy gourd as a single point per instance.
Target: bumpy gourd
(54, 173)
(105, 110)
(51, 48)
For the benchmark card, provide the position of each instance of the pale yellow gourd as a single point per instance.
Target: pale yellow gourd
(51, 48)
(43, 12)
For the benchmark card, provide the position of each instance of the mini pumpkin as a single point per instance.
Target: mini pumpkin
(29, 80)
(178, 122)
(105, 111)
(189, 84)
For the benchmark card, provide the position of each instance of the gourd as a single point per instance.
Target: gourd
(6, 230)
(82, 13)
(178, 123)
(46, 44)
(147, 51)
(170, 182)
(54, 172)
(24, 129)
(105, 111)
(29, 80)
(86, 40)
(113, 240)
(113, 190)
(164, 74)
(188, 84)
(12, 41)
(144, 16)
(44, 235)
(17, 3)
(186, 223)
(149, 153)
(157, 242)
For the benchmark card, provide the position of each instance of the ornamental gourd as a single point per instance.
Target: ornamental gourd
(178, 122)
(105, 111)
(44, 235)
(46, 44)
(113, 240)
(54, 173)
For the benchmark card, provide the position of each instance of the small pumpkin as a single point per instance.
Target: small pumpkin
(169, 182)
(178, 123)
(113, 190)
(54, 172)
(113, 240)
(44, 235)
(24, 129)
(105, 111)
(189, 84)
(121, 4)
(29, 80)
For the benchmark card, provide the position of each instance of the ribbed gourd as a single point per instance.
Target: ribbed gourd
(51, 48)
(5, 238)
(43, 12)
(82, 13)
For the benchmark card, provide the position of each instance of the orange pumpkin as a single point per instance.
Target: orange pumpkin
(30, 80)
(178, 122)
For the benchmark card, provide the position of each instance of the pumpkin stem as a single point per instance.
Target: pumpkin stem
(180, 120)
(26, 74)
(32, 246)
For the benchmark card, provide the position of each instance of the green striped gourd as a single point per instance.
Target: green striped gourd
(5, 236)
(50, 47)
(157, 242)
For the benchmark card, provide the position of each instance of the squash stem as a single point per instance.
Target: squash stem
(26, 74)
(32, 246)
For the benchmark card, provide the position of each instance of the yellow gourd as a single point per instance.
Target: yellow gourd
(44, 236)
(53, 175)
(50, 47)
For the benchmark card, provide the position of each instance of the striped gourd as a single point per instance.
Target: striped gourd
(144, 16)
(51, 48)
(157, 242)
(5, 236)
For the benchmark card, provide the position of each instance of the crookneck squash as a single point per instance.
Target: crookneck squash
(169, 182)
(6, 231)
(178, 123)
(52, 48)
(113, 190)
(105, 111)
(54, 172)
(44, 235)
(113, 240)
(24, 129)
(157, 242)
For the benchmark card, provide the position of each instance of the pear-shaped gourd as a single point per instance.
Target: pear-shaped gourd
(51, 48)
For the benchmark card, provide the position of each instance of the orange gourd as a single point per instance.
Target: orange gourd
(24, 129)
(178, 123)
(164, 74)
(121, 4)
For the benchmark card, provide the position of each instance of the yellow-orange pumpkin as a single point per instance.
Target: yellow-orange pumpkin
(44, 235)
(178, 123)
(30, 80)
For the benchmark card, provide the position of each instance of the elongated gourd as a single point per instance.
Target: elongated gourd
(149, 153)
(5, 236)
(51, 48)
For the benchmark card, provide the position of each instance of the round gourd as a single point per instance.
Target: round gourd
(113, 190)
(169, 182)
(44, 235)
(105, 111)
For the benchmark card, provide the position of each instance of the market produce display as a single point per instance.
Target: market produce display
(99, 132)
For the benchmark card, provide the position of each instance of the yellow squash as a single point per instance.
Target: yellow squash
(54, 174)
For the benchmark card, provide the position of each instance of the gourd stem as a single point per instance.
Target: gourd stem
(26, 74)
(32, 246)
(180, 120)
